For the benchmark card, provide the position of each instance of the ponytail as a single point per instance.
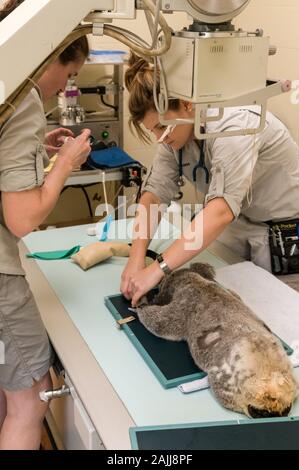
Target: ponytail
(139, 81)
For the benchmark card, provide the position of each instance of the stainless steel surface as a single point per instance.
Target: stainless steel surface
(218, 7)
(106, 128)
(212, 34)
(48, 395)
(93, 176)
(72, 115)
(111, 130)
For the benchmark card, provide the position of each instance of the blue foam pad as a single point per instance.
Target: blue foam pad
(111, 158)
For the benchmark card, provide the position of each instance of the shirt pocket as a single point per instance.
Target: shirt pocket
(41, 162)
(147, 177)
(217, 186)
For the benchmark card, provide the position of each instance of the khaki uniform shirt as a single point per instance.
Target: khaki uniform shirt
(258, 176)
(22, 161)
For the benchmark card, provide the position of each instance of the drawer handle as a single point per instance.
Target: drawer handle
(48, 395)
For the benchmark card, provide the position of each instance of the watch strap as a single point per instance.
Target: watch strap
(163, 265)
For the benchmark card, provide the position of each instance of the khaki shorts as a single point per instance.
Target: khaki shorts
(249, 240)
(25, 351)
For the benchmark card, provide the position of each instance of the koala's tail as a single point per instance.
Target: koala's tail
(205, 270)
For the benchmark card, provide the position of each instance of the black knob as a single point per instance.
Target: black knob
(112, 143)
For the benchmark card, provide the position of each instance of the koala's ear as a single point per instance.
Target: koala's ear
(203, 269)
(143, 301)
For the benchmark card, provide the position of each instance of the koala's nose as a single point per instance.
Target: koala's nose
(258, 413)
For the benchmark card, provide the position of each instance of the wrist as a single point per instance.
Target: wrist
(138, 250)
(163, 265)
(64, 164)
(157, 272)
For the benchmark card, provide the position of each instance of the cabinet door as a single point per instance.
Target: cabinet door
(70, 423)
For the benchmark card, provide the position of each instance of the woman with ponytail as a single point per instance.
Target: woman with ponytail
(247, 181)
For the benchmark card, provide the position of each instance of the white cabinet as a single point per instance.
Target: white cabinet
(69, 421)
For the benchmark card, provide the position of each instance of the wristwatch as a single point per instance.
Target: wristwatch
(163, 265)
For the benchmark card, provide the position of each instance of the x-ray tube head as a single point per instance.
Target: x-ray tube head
(207, 11)
(216, 7)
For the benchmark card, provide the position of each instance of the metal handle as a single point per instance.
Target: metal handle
(48, 395)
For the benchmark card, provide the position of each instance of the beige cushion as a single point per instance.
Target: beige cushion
(98, 252)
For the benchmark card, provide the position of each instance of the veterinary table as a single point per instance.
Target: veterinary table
(111, 387)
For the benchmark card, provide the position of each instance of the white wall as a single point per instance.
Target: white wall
(279, 20)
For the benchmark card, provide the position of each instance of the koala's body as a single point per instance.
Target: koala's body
(248, 368)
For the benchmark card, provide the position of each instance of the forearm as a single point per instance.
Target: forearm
(32, 207)
(146, 222)
(50, 192)
(203, 230)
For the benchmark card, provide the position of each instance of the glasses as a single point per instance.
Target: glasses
(167, 131)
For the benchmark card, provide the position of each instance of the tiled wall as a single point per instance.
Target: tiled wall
(278, 18)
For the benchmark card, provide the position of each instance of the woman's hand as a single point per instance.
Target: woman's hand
(143, 281)
(133, 266)
(75, 151)
(55, 139)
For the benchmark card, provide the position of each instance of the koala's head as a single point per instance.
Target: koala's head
(269, 387)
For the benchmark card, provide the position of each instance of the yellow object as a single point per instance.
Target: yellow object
(52, 162)
(124, 321)
(100, 251)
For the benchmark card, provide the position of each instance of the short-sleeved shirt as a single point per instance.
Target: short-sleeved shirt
(22, 161)
(258, 176)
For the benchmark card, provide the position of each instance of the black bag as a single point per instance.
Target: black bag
(284, 246)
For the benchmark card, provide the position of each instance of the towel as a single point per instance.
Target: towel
(54, 255)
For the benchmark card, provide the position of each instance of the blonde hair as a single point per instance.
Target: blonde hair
(139, 81)
(7, 6)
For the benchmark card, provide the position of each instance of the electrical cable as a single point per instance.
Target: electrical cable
(105, 193)
(87, 200)
(108, 105)
(83, 189)
(158, 63)
(48, 113)
(154, 25)
(137, 45)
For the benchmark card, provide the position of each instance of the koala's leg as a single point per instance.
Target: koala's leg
(165, 293)
(163, 321)
(205, 270)
(225, 393)
(234, 294)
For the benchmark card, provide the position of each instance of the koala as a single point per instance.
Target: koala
(248, 369)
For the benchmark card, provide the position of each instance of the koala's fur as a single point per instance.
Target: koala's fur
(248, 369)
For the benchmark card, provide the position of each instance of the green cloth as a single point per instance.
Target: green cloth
(54, 255)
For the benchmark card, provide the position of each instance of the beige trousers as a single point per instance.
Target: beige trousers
(249, 240)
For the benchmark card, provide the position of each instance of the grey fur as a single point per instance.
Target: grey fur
(248, 369)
